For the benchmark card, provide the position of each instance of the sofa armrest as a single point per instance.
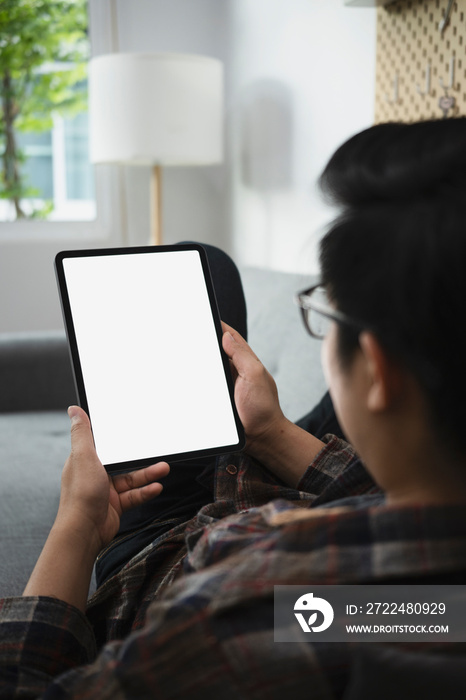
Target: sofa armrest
(35, 372)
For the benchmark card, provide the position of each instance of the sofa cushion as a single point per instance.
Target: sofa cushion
(278, 337)
(33, 450)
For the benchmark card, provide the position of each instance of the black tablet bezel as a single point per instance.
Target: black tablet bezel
(120, 467)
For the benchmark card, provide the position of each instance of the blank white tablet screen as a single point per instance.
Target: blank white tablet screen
(153, 373)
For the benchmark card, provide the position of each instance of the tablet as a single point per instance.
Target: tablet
(144, 334)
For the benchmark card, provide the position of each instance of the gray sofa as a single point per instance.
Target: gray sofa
(36, 386)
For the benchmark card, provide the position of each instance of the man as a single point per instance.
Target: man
(190, 614)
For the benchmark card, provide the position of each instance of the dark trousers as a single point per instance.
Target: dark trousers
(184, 493)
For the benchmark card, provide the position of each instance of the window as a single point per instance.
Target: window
(57, 166)
(45, 169)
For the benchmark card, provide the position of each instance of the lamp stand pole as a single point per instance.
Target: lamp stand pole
(156, 205)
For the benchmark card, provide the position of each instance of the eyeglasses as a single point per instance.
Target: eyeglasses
(318, 313)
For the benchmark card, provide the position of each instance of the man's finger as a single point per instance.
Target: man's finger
(239, 352)
(238, 338)
(140, 477)
(81, 434)
(235, 335)
(136, 497)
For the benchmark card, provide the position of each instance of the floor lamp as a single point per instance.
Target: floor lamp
(157, 109)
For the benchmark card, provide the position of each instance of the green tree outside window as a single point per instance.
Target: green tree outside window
(43, 63)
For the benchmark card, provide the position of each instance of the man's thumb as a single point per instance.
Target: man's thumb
(75, 414)
(80, 426)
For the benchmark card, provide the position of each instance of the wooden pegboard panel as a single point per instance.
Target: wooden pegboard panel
(408, 40)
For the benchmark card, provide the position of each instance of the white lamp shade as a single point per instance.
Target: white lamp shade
(156, 109)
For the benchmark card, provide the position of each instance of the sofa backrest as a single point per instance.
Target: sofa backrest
(278, 337)
(35, 372)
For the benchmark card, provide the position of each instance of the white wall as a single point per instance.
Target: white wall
(299, 80)
(303, 80)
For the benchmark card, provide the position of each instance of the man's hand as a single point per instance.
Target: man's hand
(91, 499)
(91, 504)
(256, 394)
(271, 438)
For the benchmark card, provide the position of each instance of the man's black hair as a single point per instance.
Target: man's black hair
(395, 258)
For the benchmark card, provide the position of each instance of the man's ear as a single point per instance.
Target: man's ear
(385, 376)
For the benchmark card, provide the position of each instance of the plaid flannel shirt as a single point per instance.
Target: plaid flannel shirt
(191, 616)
